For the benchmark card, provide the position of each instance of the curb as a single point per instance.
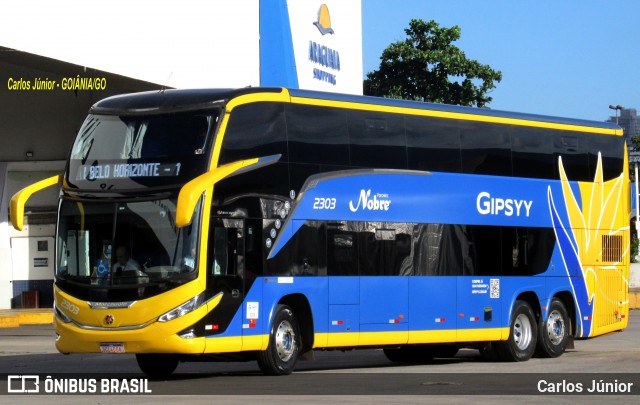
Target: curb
(15, 318)
(9, 322)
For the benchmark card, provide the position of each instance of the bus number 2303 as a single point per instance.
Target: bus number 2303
(320, 203)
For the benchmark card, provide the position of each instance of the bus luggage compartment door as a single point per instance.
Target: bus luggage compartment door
(384, 307)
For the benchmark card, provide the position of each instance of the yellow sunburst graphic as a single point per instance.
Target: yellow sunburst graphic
(600, 247)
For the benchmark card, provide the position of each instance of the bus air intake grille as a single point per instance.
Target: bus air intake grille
(612, 248)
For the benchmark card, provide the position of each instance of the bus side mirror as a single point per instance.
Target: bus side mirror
(190, 193)
(19, 199)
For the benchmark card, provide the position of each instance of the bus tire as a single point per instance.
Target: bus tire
(523, 334)
(283, 350)
(157, 365)
(553, 334)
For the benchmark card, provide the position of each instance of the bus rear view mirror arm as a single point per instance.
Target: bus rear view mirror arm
(190, 193)
(19, 199)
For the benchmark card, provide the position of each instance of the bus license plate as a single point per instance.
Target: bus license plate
(112, 347)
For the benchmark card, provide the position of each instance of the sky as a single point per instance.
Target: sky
(567, 58)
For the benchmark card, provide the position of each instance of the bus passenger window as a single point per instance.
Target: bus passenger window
(220, 253)
(485, 149)
(342, 255)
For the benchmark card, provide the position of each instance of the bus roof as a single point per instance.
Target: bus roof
(172, 100)
(448, 108)
(188, 99)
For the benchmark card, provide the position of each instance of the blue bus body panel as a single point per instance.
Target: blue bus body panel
(432, 303)
(344, 290)
(398, 304)
(402, 196)
(403, 304)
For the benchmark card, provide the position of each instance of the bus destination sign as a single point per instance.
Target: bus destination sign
(127, 170)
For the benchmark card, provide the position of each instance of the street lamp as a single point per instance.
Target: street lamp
(617, 108)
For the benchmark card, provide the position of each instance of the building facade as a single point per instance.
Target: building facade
(629, 122)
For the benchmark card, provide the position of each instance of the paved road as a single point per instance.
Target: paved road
(365, 374)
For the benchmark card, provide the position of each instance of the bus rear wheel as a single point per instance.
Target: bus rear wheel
(283, 350)
(553, 334)
(523, 334)
(157, 365)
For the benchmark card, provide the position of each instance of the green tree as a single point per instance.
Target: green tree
(635, 142)
(427, 67)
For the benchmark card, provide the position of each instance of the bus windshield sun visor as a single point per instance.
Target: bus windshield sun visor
(190, 193)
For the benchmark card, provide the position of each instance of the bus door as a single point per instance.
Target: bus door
(225, 274)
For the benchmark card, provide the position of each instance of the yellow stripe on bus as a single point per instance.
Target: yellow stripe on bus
(453, 115)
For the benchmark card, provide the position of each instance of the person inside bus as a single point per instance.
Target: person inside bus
(124, 261)
(189, 261)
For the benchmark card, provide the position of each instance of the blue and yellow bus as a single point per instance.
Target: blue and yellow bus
(266, 223)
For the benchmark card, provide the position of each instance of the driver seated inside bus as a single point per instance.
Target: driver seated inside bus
(124, 262)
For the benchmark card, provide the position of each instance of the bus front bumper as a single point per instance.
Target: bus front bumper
(157, 337)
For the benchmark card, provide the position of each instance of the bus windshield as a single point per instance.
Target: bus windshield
(125, 152)
(120, 245)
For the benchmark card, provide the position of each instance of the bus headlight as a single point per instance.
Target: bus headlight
(189, 306)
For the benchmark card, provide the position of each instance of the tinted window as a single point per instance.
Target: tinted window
(271, 179)
(489, 253)
(342, 250)
(300, 172)
(441, 250)
(433, 144)
(611, 148)
(141, 137)
(486, 148)
(128, 152)
(383, 248)
(573, 148)
(255, 130)
(303, 255)
(377, 140)
(317, 135)
(532, 152)
(511, 251)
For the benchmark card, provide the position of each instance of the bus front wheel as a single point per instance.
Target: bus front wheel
(553, 334)
(283, 350)
(157, 365)
(523, 334)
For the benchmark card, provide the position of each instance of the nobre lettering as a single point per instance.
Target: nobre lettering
(379, 202)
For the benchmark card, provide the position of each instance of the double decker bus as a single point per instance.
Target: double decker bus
(266, 223)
